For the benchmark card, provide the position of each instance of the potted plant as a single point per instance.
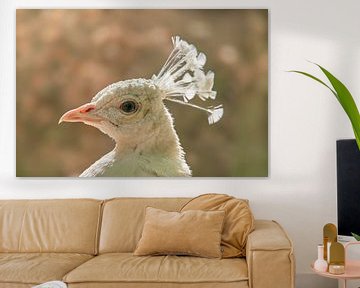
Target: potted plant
(346, 100)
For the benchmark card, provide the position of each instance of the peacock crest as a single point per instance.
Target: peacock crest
(182, 78)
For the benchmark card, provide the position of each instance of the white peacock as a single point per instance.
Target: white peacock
(132, 113)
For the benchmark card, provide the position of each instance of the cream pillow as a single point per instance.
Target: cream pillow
(193, 232)
(238, 223)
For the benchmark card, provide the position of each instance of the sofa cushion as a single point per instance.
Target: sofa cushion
(63, 226)
(239, 220)
(123, 220)
(193, 232)
(36, 268)
(126, 268)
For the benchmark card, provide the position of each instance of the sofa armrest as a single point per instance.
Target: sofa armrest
(269, 256)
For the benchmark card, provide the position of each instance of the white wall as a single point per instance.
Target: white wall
(304, 122)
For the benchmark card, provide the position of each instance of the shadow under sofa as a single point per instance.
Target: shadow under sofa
(90, 243)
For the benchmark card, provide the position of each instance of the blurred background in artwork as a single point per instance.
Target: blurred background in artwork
(64, 57)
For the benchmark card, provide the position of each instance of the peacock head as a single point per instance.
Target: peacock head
(134, 108)
(124, 110)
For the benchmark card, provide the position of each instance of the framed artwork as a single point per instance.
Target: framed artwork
(138, 93)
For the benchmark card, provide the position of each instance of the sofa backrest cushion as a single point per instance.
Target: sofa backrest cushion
(123, 220)
(239, 220)
(66, 226)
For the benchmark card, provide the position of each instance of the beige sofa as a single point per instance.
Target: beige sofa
(89, 243)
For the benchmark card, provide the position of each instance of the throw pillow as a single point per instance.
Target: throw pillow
(196, 233)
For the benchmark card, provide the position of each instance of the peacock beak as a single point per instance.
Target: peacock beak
(81, 114)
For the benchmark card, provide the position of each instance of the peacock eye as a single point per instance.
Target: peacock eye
(129, 107)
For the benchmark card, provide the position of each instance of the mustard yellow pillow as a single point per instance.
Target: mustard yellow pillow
(238, 223)
(193, 232)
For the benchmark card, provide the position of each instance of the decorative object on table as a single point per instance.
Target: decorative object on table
(329, 236)
(333, 250)
(344, 97)
(337, 258)
(336, 269)
(51, 284)
(320, 264)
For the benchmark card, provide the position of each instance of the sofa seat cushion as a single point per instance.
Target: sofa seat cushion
(36, 268)
(125, 267)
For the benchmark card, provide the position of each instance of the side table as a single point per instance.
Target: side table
(352, 268)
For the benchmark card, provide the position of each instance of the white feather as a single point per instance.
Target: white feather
(216, 114)
(182, 78)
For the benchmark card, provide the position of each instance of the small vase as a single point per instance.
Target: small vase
(320, 264)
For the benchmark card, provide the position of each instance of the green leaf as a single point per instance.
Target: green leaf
(344, 97)
(347, 102)
(357, 237)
